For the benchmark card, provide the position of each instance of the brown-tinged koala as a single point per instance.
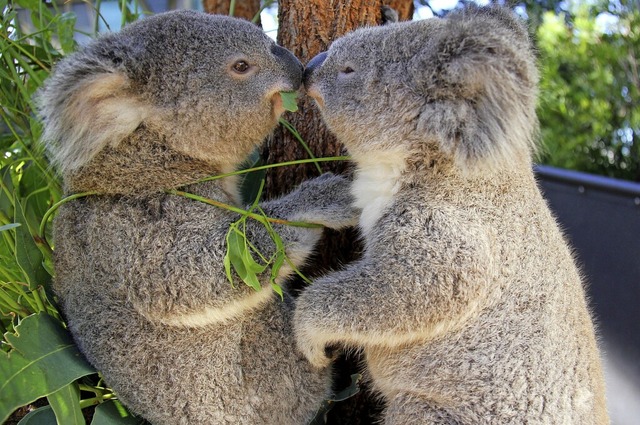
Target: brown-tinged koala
(139, 272)
(467, 303)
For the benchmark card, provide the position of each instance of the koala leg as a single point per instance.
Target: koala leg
(407, 409)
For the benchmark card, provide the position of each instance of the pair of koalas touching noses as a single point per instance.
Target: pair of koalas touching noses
(466, 304)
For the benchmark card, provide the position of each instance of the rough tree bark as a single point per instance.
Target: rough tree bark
(404, 8)
(307, 27)
(245, 9)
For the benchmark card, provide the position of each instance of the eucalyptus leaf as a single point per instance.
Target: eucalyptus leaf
(66, 28)
(113, 413)
(250, 183)
(42, 416)
(289, 101)
(66, 405)
(321, 415)
(42, 360)
(9, 226)
(235, 246)
(28, 255)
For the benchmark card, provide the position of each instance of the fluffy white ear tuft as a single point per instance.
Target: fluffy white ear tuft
(99, 111)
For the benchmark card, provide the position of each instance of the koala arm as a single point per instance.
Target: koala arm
(325, 200)
(177, 262)
(392, 297)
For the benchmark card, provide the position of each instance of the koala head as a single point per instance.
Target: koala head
(464, 86)
(205, 86)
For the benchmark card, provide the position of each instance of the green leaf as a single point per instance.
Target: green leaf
(234, 252)
(7, 192)
(41, 416)
(278, 290)
(9, 226)
(227, 265)
(239, 257)
(289, 100)
(66, 405)
(113, 413)
(321, 415)
(66, 27)
(42, 360)
(250, 183)
(28, 255)
(351, 390)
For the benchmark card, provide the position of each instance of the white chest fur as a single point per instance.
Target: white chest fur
(375, 184)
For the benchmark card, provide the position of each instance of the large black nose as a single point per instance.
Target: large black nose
(291, 64)
(313, 64)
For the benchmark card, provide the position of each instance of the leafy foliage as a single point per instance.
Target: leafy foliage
(39, 358)
(42, 361)
(590, 90)
(589, 108)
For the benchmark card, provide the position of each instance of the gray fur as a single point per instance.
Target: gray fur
(467, 303)
(139, 272)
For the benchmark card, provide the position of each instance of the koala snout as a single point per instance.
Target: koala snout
(313, 64)
(291, 65)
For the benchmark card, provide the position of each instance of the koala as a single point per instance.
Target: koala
(140, 276)
(467, 304)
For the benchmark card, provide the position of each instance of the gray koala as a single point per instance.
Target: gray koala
(467, 304)
(139, 272)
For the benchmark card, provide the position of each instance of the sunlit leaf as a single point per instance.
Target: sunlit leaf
(113, 413)
(66, 405)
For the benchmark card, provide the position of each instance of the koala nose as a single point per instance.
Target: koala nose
(313, 64)
(292, 66)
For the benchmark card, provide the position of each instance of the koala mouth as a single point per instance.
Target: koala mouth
(313, 93)
(277, 107)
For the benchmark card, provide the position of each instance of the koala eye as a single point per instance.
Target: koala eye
(347, 70)
(241, 67)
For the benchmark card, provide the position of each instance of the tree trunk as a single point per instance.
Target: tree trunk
(307, 27)
(245, 9)
(403, 7)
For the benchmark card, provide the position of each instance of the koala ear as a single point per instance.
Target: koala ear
(479, 79)
(86, 105)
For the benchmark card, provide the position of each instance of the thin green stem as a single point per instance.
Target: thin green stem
(228, 207)
(88, 402)
(237, 210)
(279, 164)
(38, 300)
(8, 303)
(24, 51)
(295, 133)
(232, 7)
(266, 4)
(54, 207)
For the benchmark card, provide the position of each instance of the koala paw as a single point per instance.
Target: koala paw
(317, 354)
(329, 202)
(311, 340)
